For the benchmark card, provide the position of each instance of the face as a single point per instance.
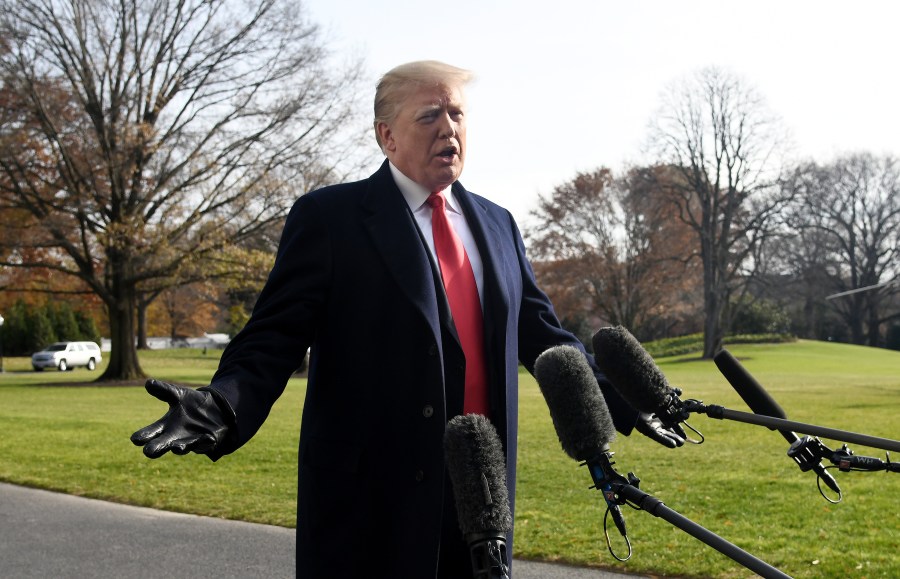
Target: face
(427, 140)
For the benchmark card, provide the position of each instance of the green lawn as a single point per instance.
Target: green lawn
(738, 484)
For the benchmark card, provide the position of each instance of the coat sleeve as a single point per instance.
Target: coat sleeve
(540, 329)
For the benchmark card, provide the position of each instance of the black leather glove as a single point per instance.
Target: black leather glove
(195, 422)
(652, 427)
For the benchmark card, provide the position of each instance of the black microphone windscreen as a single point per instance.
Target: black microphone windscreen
(577, 407)
(631, 369)
(477, 468)
(753, 394)
(760, 402)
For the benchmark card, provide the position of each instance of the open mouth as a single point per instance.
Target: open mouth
(448, 153)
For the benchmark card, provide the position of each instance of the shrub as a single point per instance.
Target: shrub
(892, 342)
(692, 343)
(761, 317)
(29, 328)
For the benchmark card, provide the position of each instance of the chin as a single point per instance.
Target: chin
(455, 172)
(446, 179)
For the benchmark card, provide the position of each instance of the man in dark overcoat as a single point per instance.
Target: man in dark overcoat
(358, 279)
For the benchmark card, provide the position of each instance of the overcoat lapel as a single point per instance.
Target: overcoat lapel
(396, 237)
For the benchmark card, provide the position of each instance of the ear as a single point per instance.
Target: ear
(386, 136)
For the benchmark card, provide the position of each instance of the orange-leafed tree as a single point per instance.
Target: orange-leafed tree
(608, 250)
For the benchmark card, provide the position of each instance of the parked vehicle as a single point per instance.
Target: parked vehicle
(67, 355)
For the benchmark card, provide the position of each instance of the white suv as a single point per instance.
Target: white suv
(66, 355)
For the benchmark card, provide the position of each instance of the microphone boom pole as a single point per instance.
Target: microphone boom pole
(657, 508)
(767, 410)
(720, 413)
(618, 489)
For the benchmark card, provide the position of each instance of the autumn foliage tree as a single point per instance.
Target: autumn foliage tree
(606, 250)
(158, 133)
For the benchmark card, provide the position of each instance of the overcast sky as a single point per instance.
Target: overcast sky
(570, 85)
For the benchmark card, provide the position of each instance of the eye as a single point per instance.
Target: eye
(428, 116)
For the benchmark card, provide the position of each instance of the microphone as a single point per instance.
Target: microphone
(635, 375)
(581, 418)
(477, 468)
(760, 402)
(585, 430)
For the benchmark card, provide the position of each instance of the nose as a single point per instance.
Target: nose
(446, 127)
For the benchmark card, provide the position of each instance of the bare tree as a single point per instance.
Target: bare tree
(851, 209)
(167, 131)
(803, 260)
(716, 133)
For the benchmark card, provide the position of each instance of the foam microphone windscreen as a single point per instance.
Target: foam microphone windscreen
(477, 467)
(577, 407)
(631, 369)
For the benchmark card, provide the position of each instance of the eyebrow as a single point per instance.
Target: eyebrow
(429, 108)
(433, 107)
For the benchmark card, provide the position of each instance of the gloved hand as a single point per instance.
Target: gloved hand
(194, 423)
(652, 427)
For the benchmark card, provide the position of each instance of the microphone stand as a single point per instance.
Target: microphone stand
(617, 489)
(720, 413)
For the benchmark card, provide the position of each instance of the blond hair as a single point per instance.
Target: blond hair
(399, 82)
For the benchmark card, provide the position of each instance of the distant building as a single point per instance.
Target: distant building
(209, 341)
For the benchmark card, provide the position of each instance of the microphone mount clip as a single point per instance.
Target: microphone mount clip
(812, 449)
(609, 482)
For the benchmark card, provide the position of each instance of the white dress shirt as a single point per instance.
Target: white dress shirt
(416, 197)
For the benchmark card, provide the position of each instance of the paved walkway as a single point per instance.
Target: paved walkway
(46, 535)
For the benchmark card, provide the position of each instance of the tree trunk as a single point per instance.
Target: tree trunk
(855, 320)
(874, 323)
(712, 325)
(142, 326)
(712, 294)
(123, 359)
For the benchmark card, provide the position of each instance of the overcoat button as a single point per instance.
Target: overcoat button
(428, 411)
(432, 350)
(420, 476)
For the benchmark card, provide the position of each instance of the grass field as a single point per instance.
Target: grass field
(59, 432)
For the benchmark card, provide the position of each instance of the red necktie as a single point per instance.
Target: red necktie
(465, 305)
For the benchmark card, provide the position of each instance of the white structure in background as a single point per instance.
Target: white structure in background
(208, 341)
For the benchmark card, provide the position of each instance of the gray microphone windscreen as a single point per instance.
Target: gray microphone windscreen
(477, 467)
(630, 369)
(577, 407)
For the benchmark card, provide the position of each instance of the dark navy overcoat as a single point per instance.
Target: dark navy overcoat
(353, 280)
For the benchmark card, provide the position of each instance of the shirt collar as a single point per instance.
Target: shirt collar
(416, 195)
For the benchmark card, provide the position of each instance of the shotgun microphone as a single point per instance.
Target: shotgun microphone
(582, 420)
(760, 402)
(636, 377)
(585, 429)
(477, 468)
